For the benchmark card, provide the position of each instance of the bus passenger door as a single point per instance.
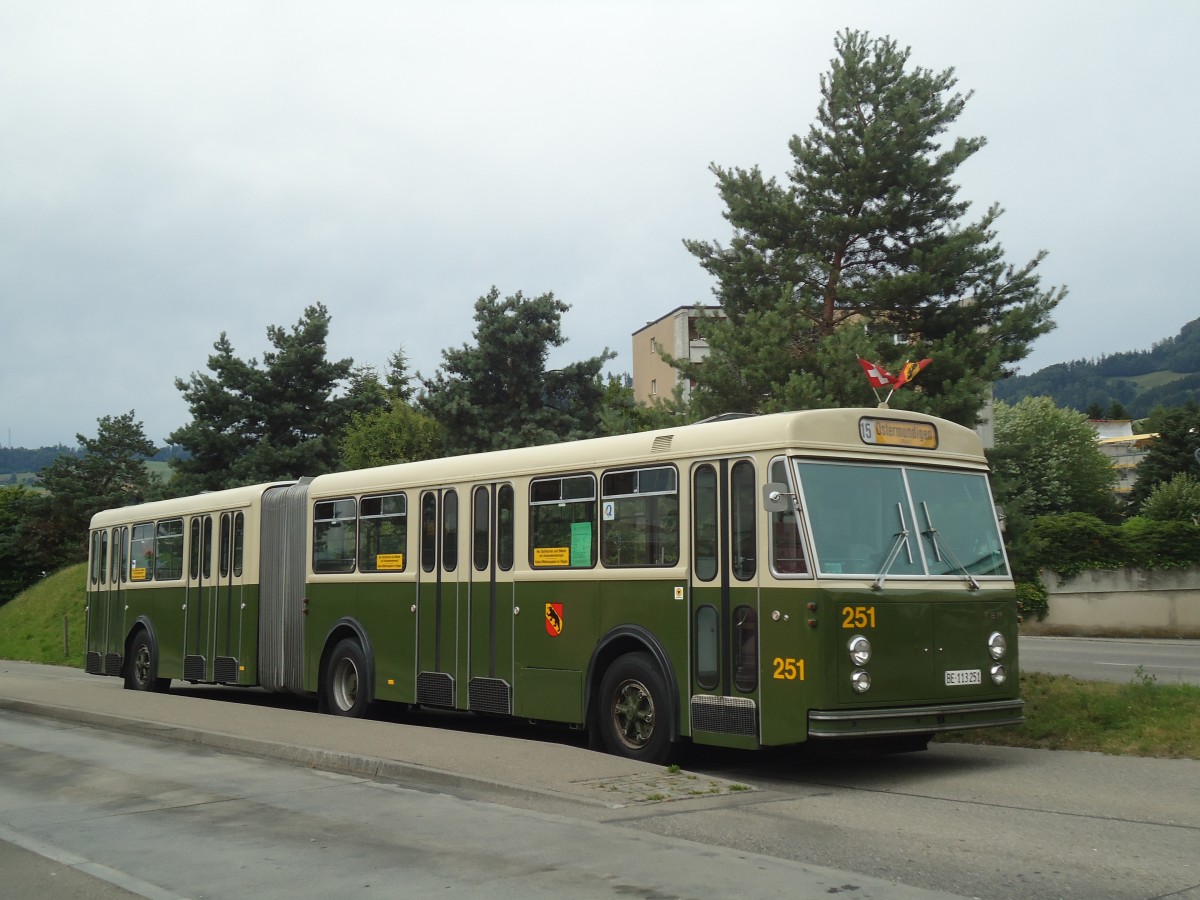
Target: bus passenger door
(490, 601)
(227, 601)
(93, 640)
(724, 603)
(437, 599)
(104, 603)
(198, 608)
(114, 601)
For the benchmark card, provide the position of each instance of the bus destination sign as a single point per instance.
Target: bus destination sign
(892, 433)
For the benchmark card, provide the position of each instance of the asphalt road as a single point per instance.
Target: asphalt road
(439, 804)
(1109, 659)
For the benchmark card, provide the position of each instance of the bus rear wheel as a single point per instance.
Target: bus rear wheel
(141, 666)
(633, 717)
(344, 690)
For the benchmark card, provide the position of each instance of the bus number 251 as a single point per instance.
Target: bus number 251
(858, 617)
(789, 669)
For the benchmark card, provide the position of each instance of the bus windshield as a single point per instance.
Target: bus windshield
(892, 521)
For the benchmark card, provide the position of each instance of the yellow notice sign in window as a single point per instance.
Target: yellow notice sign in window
(551, 556)
(389, 562)
(137, 574)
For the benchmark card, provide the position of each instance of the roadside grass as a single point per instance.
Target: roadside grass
(31, 624)
(1140, 718)
(1143, 717)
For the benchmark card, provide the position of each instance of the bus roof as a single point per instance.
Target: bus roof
(823, 432)
(234, 498)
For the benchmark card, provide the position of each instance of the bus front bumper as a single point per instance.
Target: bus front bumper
(857, 723)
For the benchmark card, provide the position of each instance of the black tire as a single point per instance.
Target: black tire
(633, 715)
(345, 689)
(141, 666)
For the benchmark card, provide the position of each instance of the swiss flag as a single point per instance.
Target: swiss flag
(877, 375)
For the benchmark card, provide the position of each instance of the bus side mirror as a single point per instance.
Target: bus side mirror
(777, 497)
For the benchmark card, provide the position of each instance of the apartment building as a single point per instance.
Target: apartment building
(674, 334)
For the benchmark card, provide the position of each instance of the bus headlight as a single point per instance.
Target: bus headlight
(997, 645)
(861, 680)
(999, 674)
(860, 651)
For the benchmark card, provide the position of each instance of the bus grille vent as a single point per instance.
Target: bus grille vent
(112, 663)
(724, 715)
(435, 689)
(490, 695)
(662, 443)
(194, 668)
(225, 670)
(93, 664)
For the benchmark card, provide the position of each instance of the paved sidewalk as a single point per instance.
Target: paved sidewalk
(387, 750)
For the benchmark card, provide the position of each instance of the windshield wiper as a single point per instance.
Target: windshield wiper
(900, 541)
(938, 549)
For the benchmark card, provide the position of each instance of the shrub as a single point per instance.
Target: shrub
(1070, 543)
(1032, 599)
(1174, 500)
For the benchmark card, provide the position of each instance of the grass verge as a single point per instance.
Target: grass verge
(32, 623)
(1140, 718)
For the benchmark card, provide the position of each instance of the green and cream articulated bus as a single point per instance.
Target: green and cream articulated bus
(748, 582)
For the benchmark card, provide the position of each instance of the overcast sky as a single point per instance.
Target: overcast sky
(170, 170)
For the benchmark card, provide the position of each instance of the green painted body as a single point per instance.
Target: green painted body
(217, 622)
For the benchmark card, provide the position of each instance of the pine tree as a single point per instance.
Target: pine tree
(864, 252)
(499, 394)
(280, 420)
(109, 472)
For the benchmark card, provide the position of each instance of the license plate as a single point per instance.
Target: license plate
(963, 676)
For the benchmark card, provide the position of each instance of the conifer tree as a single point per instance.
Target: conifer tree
(865, 251)
(499, 394)
(280, 420)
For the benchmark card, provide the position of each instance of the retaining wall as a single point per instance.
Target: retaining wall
(1122, 602)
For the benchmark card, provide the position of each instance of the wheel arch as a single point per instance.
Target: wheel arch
(347, 627)
(616, 643)
(141, 623)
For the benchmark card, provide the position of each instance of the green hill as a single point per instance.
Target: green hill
(1140, 380)
(31, 624)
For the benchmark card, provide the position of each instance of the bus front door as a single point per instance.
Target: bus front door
(437, 599)
(724, 604)
(490, 602)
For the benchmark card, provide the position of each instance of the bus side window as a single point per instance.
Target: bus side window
(506, 517)
(708, 669)
(787, 550)
(562, 522)
(640, 520)
(335, 533)
(383, 533)
(745, 648)
(704, 517)
(103, 556)
(481, 529)
(743, 503)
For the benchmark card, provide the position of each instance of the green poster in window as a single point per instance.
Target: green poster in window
(581, 543)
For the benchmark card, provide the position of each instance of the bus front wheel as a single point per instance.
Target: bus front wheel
(345, 689)
(633, 717)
